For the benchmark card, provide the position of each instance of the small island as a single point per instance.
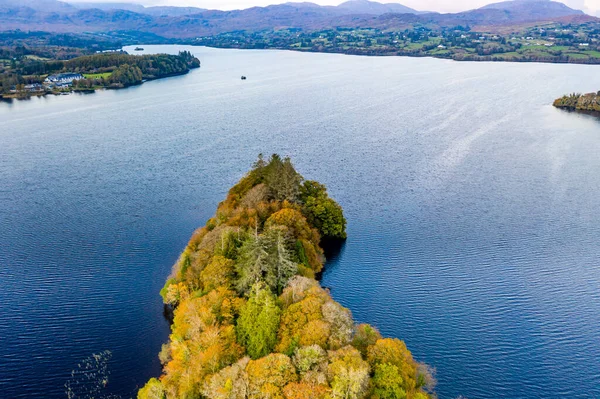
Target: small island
(250, 320)
(579, 102)
(112, 70)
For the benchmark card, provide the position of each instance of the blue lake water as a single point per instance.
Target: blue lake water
(474, 220)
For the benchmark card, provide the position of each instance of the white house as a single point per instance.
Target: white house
(63, 79)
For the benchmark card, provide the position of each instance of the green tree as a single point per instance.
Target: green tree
(282, 179)
(282, 268)
(387, 382)
(266, 258)
(321, 211)
(258, 322)
(252, 263)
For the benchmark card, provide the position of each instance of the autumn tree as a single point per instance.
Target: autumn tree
(268, 376)
(202, 342)
(348, 374)
(387, 382)
(152, 390)
(341, 324)
(229, 383)
(311, 363)
(365, 335)
(301, 390)
(393, 352)
(218, 273)
(295, 321)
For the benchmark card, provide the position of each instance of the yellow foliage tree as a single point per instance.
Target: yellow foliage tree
(300, 390)
(348, 374)
(268, 376)
(394, 352)
(218, 273)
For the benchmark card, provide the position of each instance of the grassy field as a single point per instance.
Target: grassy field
(35, 57)
(104, 75)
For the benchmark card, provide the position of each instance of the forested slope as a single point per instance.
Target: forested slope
(251, 321)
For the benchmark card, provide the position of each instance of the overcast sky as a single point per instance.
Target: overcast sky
(590, 6)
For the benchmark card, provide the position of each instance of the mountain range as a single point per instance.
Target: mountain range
(138, 8)
(185, 22)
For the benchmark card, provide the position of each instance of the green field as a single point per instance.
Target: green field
(38, 58)
(577, 56)
(104, 75)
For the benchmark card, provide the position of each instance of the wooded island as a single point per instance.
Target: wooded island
(251, 320)
(579, 102)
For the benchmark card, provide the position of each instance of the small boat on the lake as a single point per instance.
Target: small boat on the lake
(139, 49)
(243, 77)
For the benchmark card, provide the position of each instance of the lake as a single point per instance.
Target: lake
(474, 220)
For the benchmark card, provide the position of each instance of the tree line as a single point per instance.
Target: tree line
(250, 320)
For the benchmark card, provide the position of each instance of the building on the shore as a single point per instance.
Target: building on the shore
(62, 79)
(34, 87)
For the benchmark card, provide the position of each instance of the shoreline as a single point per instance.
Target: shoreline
(360, 54)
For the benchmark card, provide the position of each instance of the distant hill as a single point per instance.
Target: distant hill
(372, 7)
(179, 22)
(155, 11)
(172, 11)
(46, 6)
(527, 10)
(109, 6)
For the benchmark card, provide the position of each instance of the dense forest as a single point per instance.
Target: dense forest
(251, 321)
(117, 69)
(579, 102)
(127, 70)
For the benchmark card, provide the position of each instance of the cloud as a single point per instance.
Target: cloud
(591, 7)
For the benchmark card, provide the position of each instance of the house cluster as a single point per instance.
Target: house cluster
(34, 88)
(62, 80)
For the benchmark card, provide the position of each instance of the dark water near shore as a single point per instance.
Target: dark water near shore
(474, 224)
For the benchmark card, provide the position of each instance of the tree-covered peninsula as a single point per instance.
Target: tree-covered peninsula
(28, 75)
(250, 320)
(579, 102)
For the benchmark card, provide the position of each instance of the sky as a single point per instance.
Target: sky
(592, 7)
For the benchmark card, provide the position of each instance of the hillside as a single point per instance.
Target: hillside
(156, 11)
(529, 10)
(372, 7)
